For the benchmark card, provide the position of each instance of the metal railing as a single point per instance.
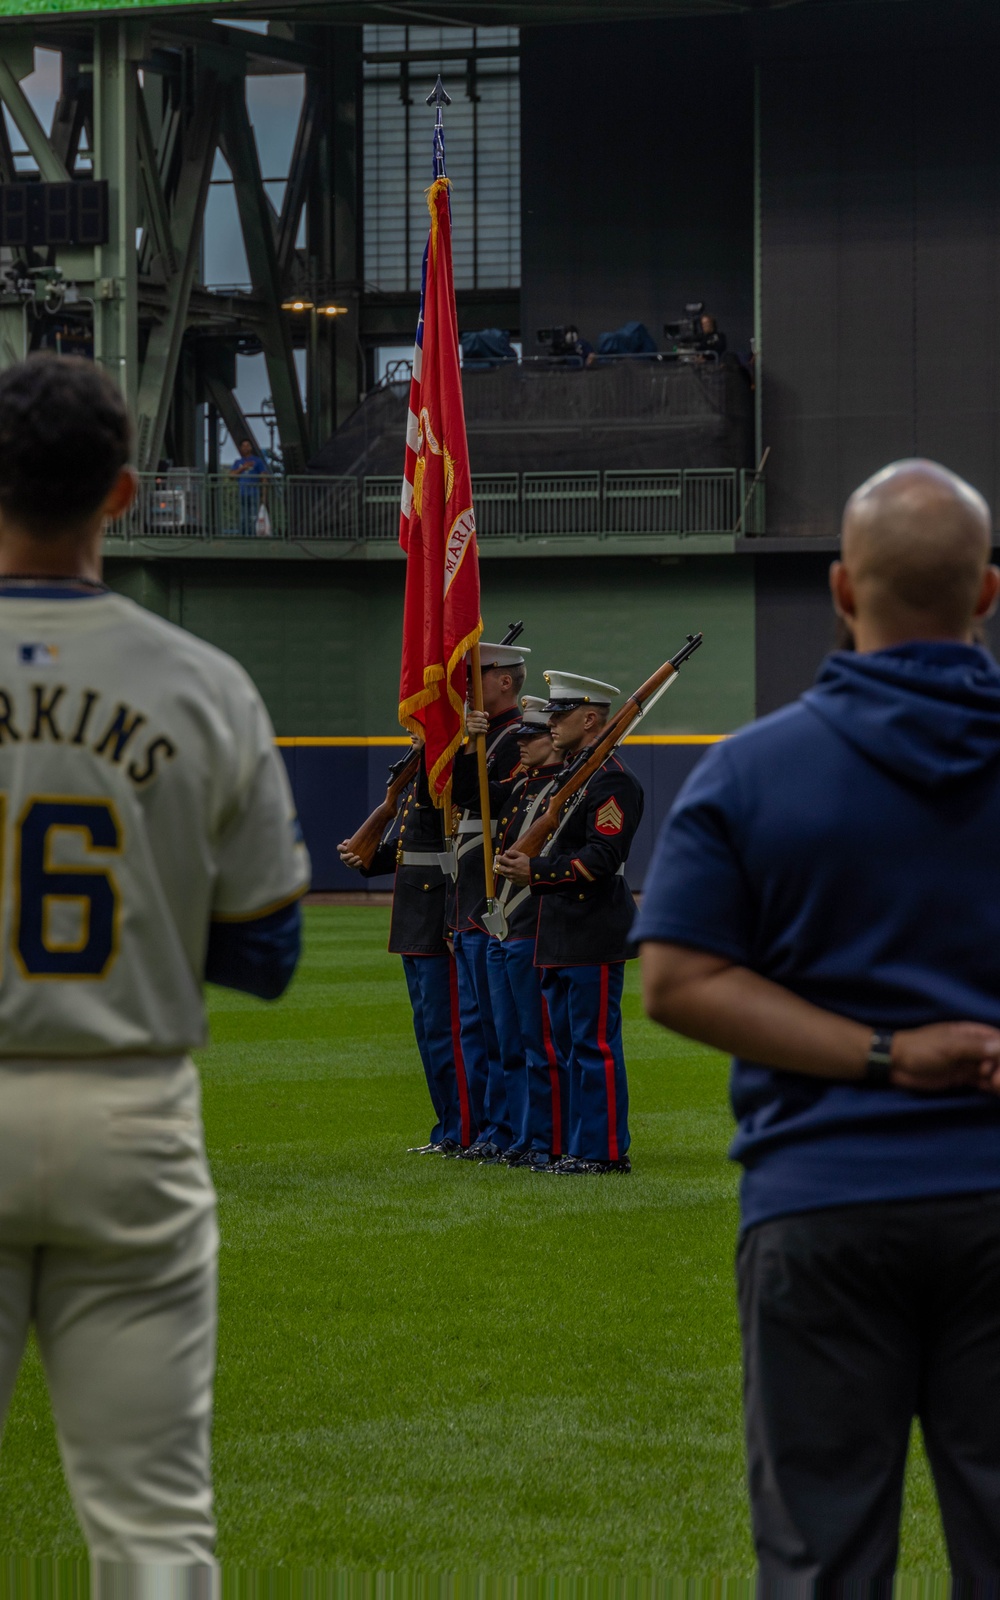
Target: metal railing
(509, 505)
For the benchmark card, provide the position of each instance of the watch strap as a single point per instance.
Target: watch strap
(878, 1066)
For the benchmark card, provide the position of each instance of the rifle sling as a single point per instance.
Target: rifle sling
(510, 905)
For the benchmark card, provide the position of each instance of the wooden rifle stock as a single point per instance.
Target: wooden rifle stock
(532, 842)
(369, 836)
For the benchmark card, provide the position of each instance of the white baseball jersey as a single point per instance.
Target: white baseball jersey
(141, 795)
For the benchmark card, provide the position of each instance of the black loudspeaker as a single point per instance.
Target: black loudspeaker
(41, 214)
(91, 212)
(14, 215)
(56, 221)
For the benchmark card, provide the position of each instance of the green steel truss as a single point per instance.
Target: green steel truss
(152, 100)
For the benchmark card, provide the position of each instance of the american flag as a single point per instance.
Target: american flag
(412, 421)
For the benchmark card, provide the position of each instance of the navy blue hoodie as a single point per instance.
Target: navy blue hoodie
(849, 848)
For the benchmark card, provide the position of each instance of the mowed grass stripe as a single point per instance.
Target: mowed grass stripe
(431, 1367)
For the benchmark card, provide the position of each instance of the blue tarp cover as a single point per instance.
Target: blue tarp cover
(491, 345)
(631, 339)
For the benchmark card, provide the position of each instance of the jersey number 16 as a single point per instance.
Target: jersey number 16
(89, 948)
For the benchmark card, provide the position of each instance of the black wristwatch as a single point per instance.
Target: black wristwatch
(878, 1067)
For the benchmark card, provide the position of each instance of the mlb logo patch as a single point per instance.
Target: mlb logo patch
(37, 655)
(610, 817)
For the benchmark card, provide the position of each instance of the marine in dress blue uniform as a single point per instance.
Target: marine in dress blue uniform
(585, 916)
(503, 677)
(417, 932)
(535, 1077)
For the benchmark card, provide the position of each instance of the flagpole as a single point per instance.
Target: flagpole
(439, 99)
(484, 782)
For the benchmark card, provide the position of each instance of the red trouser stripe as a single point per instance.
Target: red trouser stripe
(609, 1068)
(456, 1050)
(550, 1053)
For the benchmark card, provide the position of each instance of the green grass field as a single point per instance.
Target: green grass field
(431, 1367)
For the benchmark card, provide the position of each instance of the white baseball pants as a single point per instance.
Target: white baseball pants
(108, 1245)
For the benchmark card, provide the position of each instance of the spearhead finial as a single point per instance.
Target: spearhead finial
(439, 95)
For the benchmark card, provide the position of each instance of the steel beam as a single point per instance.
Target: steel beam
(159, 369)
(240, 150)
(345, 189)
(71, 108)
(235, 44)
(8, 171)
(118, 45)
(300, 173)
(321, 350)
(51, 168)
(230, 411)
(156, 215)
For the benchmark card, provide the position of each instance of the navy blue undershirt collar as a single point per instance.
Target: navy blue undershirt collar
(28, 586)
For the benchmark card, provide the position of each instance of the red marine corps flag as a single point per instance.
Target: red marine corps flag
(441, 620)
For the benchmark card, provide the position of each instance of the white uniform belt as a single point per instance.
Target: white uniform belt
(444, 860)
(475, 825)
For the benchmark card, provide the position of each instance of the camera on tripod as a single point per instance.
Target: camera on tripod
(687, 332)
(561, 341)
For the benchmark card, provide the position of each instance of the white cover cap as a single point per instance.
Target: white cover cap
(502, 655)
(568, 689)
(533, 713)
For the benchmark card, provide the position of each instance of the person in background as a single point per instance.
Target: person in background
(417, 933)
(584, 922)
(503, 669)
(824, 904)
(151, 842)
(251, 470)
(536, 1079)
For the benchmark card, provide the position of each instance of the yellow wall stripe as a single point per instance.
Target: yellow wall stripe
(337, 739)
(362, 740)
(675, 738)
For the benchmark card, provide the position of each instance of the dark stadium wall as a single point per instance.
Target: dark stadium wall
(322, 643)
(881, 248)
(794, 624)
(636, 175)
(321, 640)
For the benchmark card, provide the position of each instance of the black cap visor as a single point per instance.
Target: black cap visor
(555, 706)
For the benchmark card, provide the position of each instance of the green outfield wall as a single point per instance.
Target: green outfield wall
(321, 640)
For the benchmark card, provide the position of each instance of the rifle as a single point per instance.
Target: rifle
(533, 841)
(373, 830)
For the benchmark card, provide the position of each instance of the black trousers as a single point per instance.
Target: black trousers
(854, 1321)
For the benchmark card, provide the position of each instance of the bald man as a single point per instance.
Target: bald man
(824, 904)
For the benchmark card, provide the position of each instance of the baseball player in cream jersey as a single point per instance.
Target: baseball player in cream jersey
(147, 841)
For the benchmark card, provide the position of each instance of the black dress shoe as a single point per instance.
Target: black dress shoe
(581, 1167)
(554, 1164)
(490, 1155)
(537, 1160)
(449, 1147)
(471, 1152)
(431, 1149)
(514, 1157)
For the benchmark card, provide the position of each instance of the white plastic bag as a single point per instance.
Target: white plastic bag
(262, 526)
